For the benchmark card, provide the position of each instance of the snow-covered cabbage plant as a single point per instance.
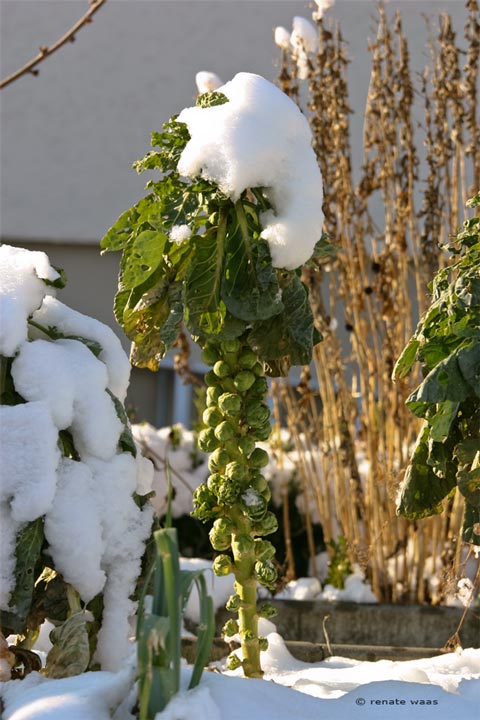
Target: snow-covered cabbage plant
(72, 527)
(446, 456)
(218, 244)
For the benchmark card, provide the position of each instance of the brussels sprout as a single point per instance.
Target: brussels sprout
(214, 481)
(212, 417)
(213, 393)
(209, 355)
(224, 525)
(219, 541)
(258, 482)
(265, 572)
(231, 346)
(230, 404)
(243, 546)
(207, 442)
(246, 444)
(221, 369)
(264, 549)
(259, 389)
(247, 359)
(263, 644)
(218, 459)
(236, 471)
(266, 493)
(211, 379)
(263, 432)
(258, 369)
(267, 526)
(257, 414)
(225, 431)
(222, 565)
(233, 603)
(267, 611)
(228, 492)
(254, 505)
(230, 628)
(204, 503)
(244, 380)
(233, 661)
(258, 458)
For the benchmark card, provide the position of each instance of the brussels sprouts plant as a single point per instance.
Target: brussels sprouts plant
(194, 255)
(447, 344)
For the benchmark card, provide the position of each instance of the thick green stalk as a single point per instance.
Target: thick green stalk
(236, 494)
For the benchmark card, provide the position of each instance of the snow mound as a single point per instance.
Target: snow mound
(260, 139)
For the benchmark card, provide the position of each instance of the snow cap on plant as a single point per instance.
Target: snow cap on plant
(282, 37)
(322, 7)
(260, 139)
(207, 81)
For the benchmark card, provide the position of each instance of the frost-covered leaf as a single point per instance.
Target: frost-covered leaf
(70, 653)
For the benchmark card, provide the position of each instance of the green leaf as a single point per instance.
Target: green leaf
(469, 364)
(173, 324)
(324, 249)
(406, 359)
(210, 99)
(60, 282)
(172, 141)
(471, 524)
(142, 258)
(118, 236)
(286, 339)
(444, 382)
(250, 286)
(469, 485)
(70, 654)
(27, 553)
(205, 312)
(126, 441)
(422, 490)
(442, 421)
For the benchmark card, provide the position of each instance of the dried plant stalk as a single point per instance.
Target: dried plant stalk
(388, 249)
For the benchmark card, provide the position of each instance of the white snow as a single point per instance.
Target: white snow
(338, 688)
(322, 7)
(67, 375)
(90, 696)
(219, 587)
(74, 532)
(304, 42)
(187, 465)
(356, 589)
(72, 322)
(207, 81)
(96, 532)
(22, 291)
(179, 233)
(301, 589)
(260, 139)
(304, 35)
(282, 37)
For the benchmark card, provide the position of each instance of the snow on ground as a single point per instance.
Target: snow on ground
(337, 688)
(260, 139)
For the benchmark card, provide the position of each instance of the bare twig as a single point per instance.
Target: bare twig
(45, 51)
